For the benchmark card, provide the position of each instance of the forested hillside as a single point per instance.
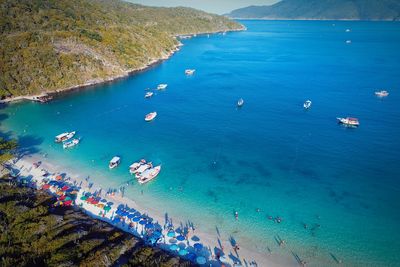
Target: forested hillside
(48, 44)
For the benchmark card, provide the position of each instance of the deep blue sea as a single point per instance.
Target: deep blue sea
(271, 154)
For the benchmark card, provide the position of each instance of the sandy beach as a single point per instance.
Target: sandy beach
(213, 244)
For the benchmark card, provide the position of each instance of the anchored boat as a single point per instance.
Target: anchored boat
(162, 86)
(150, 116)
(349, 121)
(71, 143)
(240, 102)
(190, 71)
(307, 104)
(64, 137)
(148, 94)
(114, 162)
(382, 93)
(148, 175)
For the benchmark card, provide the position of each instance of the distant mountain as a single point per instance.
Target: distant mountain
(323, 10)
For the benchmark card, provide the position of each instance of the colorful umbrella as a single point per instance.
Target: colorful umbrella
(107, 208)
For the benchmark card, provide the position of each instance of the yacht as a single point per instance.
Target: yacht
(136, 165)
(162, 86)
(64, 136)
(148, 94)
(190, 71)
(114, 162)
(150, 116)
(349, 121)
(307, 104)
(148, 175)
(382, 93)
(71, 143)
(240, 102)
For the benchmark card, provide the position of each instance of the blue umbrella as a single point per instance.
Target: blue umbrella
(120, 206)
(149, 225)
(136, 219)
(130, 216)
(198, 246)
(180, 237)
(103, 200)
(191, 256)
(173, 247)
(117, 219)
(110, 203)
(132, 210)
(183, 252)
(171, 234)
(137, 214)
(142, 222)
(201, 260)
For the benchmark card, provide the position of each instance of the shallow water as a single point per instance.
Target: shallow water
(270, 154)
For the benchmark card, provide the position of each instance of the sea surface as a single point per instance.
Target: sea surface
(336, 189)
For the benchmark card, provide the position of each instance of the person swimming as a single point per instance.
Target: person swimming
(236, 215)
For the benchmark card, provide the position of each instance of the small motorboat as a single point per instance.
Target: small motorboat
(190, 71)
(148, 175)
(348, 42)
(114, 162)
(382, 93)
(64, 136)
(240, 102)
(148, 94)
(150, 116)
(348, 30)
(71, 143)
(349, 121)
(307, 104)
(138, 166)
(162, 86)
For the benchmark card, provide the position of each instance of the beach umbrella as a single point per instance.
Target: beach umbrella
(183, 252)
(107, 208)
(191, 256)
(116, 219)
(142, 222)
(136, 219)
(173, 247)
(201, 260)
(173, 241)
(103, 200)
(46, 186)
(94, 202)
(171, 234)
(181, 237)
(83, 197)
(198, 246)
(149, 225)
(137, 214)
(130, 216)
(68, 203)
(121, 206)
(88, 194)
(132, 210)
(100, 205)
(58, 177)
(110, 203)
(68, 198)
(61, 197)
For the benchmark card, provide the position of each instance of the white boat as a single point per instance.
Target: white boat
(240, 102)
(150, 116)
(307, 104)
(71, 143)
(382, 93)
(190, 71)
(64, 136)
(149, 175)
(162, 86)
(114, 162)
(348, 30)
(349, 121)
(135, 166)
(148, 94)
(348, 42)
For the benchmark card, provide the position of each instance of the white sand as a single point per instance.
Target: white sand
(209, 241)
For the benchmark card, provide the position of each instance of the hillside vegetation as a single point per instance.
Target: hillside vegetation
(48, 44)
(324, 10)
(33, 234)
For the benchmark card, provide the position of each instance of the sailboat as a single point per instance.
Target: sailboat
(307, 104)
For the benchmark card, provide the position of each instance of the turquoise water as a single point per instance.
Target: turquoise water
(271, 154)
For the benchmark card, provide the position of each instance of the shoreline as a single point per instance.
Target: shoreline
(211, 242)
(92, 83)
